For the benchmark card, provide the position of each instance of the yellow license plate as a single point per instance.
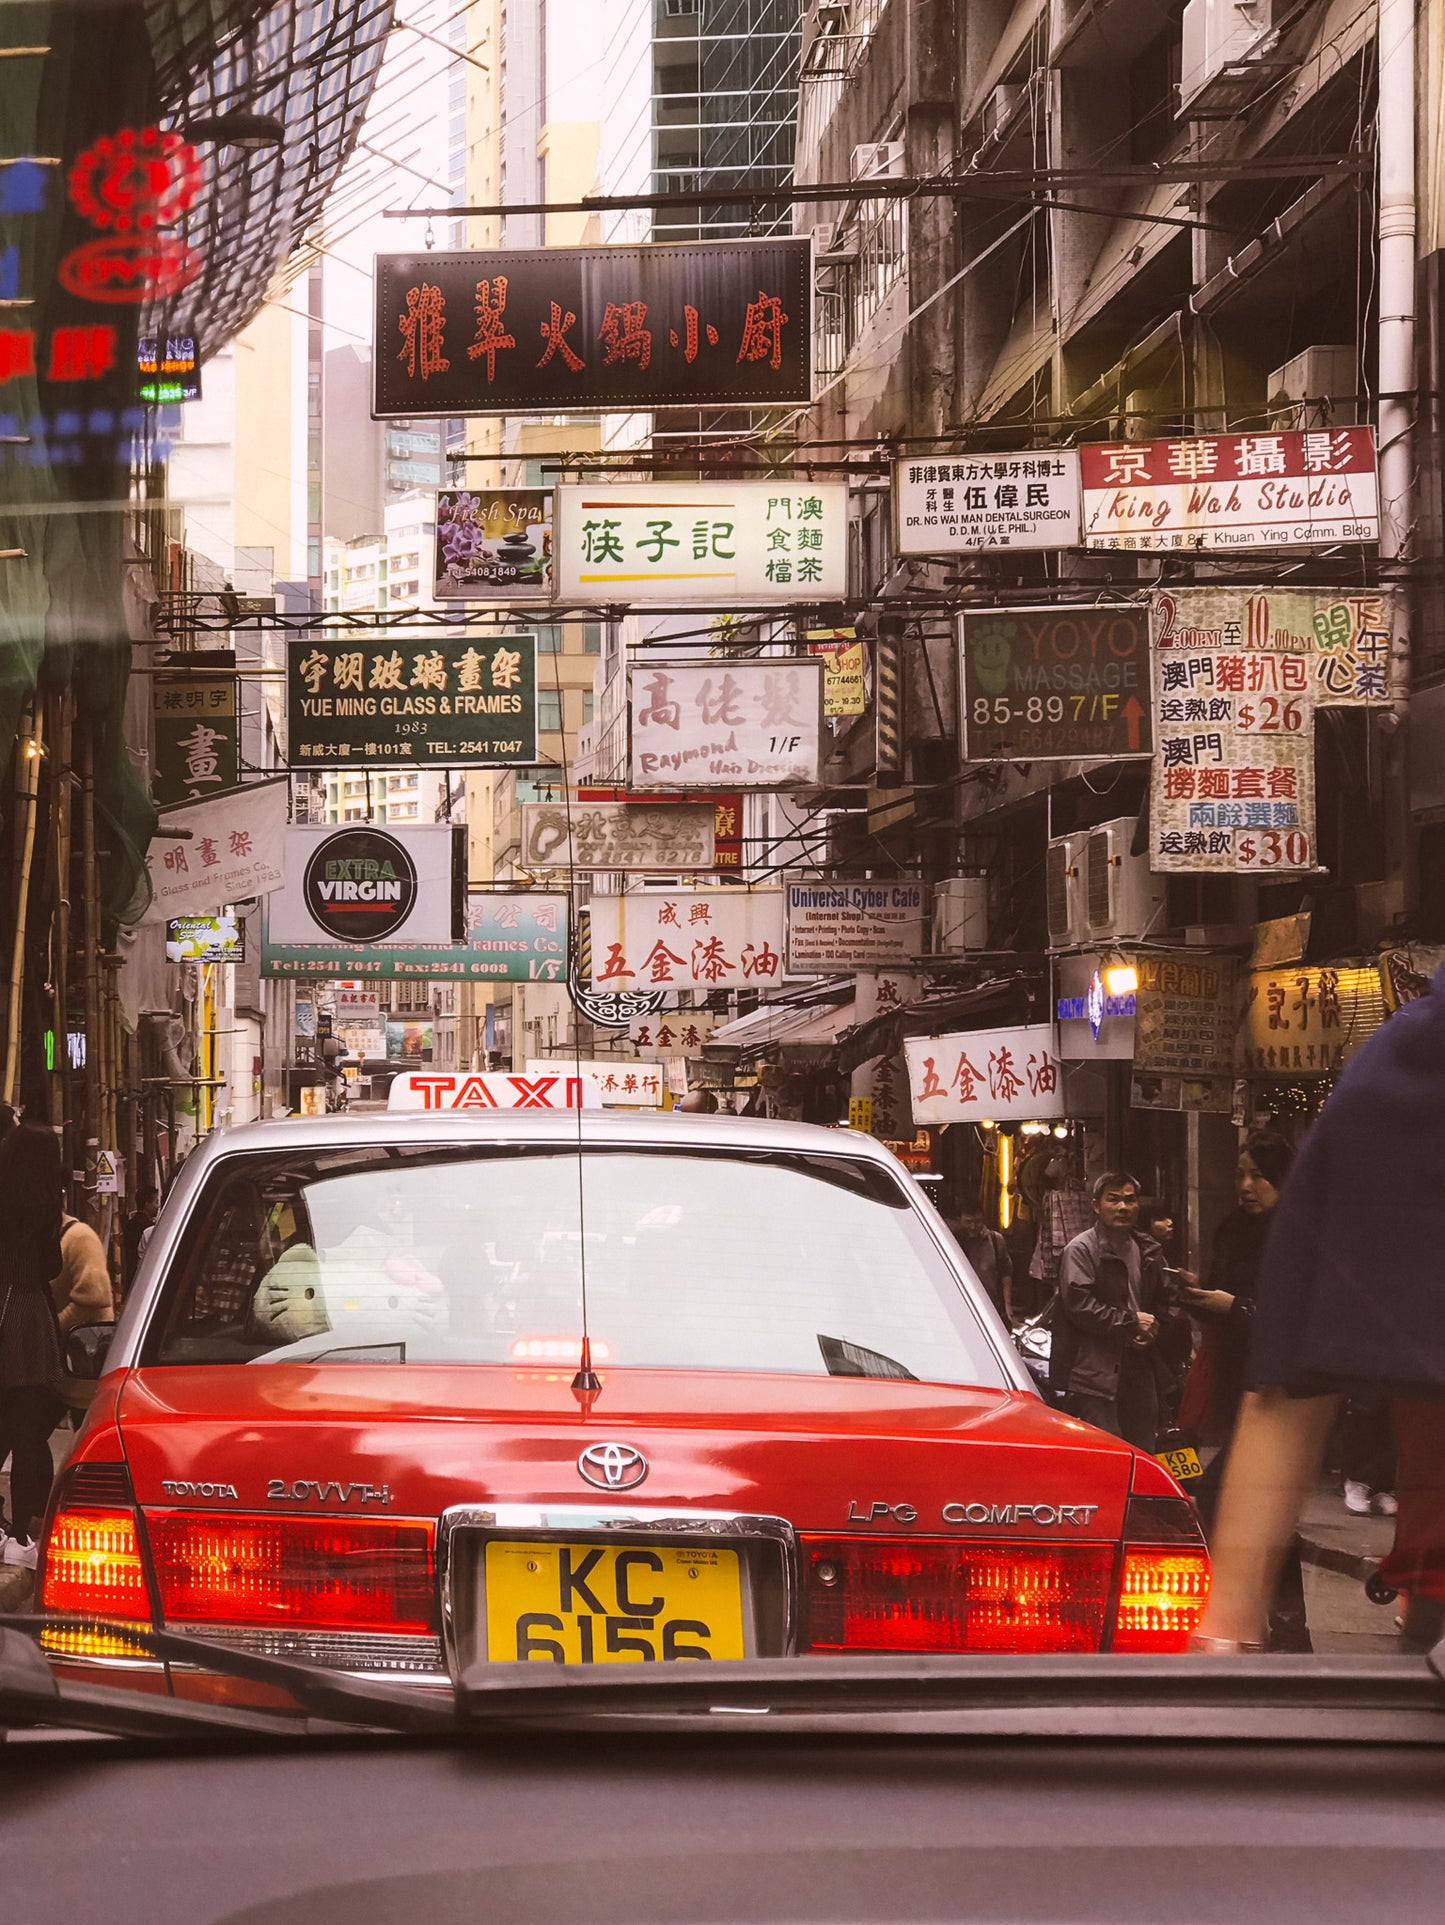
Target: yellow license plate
(612, 1603)
(1182, 1464)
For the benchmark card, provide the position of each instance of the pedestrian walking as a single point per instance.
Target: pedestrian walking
(30, 1367)
(1109, 1290)
(1174, 1338)
(1350, 1299)
(988, 1256)
(82, 1293)
(141, 1219)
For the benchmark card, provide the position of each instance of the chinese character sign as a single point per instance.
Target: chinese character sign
(621, 1083)
(1055, 684)
(520, 938)
(617, 835)
(997, 1075)
(671, 1033)
(696, 542)
(398, 699)
(964, 503)
(692, 939)
(494, 544)
(196, 744)
(1237, 679)
(234, 848)
(1187, 1013)
(754, 724)
(1231, 491)
(723, 323)
(1309, 1022)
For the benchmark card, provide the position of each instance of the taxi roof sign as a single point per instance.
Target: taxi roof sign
(492, 1090)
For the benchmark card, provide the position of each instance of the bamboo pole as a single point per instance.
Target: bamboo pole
(90, 925)
(28, 750)
(62, 779)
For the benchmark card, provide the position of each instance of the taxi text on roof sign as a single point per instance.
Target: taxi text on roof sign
(492, 1090)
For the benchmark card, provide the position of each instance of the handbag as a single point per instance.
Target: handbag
(1197, 1397)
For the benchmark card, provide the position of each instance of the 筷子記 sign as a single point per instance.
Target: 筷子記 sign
(691, 939)
(1238, 676)
(493, 545)
(459, 700)
(233, 847)
(617, 835)
(520, 938)
(197, 750)
(998, 1075)
(359, 885)
(1231, 492)
(837, 926)
(1055, 684)
(700, 542)
(968, 502)
(754, 724)
(505, 331)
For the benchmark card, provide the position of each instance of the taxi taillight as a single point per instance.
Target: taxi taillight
(93, 1565)
(931, 1594)
(302, 1573)
(1164, 1577)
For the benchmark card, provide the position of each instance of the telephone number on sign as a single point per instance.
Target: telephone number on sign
(475, 748)
(1272, 849)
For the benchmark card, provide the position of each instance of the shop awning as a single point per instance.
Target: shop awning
(1005, 999)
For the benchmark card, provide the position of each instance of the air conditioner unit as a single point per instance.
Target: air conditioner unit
(1064, 883)
(1218, 35)
(878, 160)
(960, 915)
(998, 108)
(1314, 390)
(1123, 899)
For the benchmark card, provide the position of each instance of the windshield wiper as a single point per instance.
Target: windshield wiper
(321, 1693)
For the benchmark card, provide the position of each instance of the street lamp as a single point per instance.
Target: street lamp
(239, 129)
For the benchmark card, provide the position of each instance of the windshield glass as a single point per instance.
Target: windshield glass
(804, 1265)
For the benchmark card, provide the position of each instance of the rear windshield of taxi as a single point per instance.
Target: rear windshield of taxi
(757, 1262)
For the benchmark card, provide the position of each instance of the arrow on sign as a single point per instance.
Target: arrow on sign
(1133, 715)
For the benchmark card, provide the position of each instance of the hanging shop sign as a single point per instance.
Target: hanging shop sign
(713, 544)
(617, 835)
(663, 1038)
(1205, 1094)
(197, 741)
(845, 674)
(1187, 1013)
(1055, 684)
(447, 702)
(956, 506)
(694, 939)
(622, 1084)
(359, 885)
(999, 1075)
(357, 1006)
(1309, 1021)
(509, 938)
(834, 927)
(169, 368)
(1237, 679)
(206, 939)
(556, 1086)
(1095, 1008)
(409, 1039)
(1232, 492)
(205, 855)
(510, 330)
(727, 817)
(753, 724)
(493, 545)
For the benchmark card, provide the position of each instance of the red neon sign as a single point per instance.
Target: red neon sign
(135, 180)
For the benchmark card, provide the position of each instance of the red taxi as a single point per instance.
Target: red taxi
(396, 1394)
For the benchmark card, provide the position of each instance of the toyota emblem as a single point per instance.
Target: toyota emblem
(612, 1467)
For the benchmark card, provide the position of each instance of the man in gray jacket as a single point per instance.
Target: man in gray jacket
(1110, 1279)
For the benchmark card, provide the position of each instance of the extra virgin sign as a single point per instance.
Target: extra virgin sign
(712, 323)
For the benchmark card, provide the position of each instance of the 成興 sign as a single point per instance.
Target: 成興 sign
(458, 700)
(998, 1075)
(693, 939)
(754, 724)
(710, 543)
(836, 926)
(508, 330)
(1231, 491)
(966, 502)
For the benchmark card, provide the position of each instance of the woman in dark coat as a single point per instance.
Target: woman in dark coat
(30, 1366)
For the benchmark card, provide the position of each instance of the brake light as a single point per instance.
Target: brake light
(566, 1350)
(1161, 1598)
(310, 1573)
(941, 1595)
(93, 1566)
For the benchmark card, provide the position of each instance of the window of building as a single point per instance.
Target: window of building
(402, 812)
(592, 638)
(354, 815)
(549, 638)
(549, 709)
(586, 705)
